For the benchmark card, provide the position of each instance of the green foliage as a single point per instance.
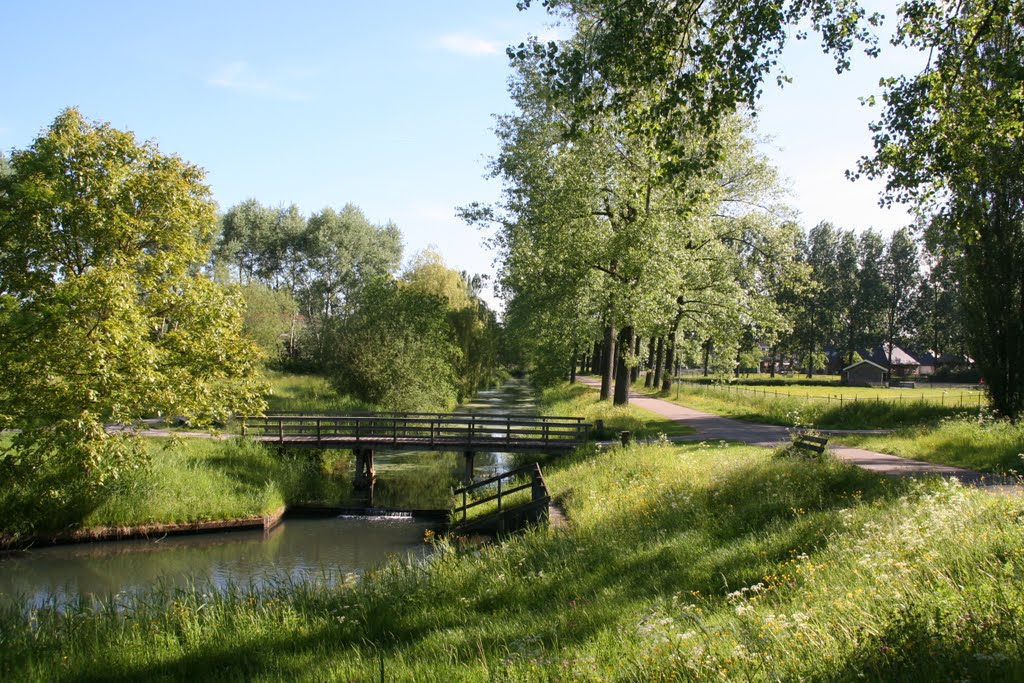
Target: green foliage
(474, 326)
(395, 349)
(595, 239)
(317, 263)
(104, 315)
(271, 319)
(668, 69)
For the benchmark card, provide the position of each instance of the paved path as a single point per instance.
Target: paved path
(717, 428)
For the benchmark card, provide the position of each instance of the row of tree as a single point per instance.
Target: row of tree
(864, 292)
(627, 147)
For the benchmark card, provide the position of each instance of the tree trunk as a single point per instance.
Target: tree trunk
(649, 375)
(659, 362)
(772, 356)
(670, 359)
(634, 373)
(626, 341)
(707, 356)
(607, 362)
(595, 359)
(572, 366)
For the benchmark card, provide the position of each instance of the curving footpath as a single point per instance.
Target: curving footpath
(717, 428)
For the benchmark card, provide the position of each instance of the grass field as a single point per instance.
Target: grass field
(680, 563)
(854, 411)
(959, 397)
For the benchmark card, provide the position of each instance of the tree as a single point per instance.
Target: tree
(828, 301)
(901, 276)
(270, 319)
(596, 237)
(105, 314)
(871, 292)
(474, 326)
(950, 143)
(343, 250)
(394, 348)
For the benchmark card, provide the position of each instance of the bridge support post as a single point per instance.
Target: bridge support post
(470, 457)
(365, 472)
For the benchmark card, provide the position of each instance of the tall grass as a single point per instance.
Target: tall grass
(978, 444)
(680, 563)
(307, 393)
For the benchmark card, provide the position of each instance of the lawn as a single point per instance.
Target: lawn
(307, 393)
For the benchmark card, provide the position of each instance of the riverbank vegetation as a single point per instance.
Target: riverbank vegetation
(680, 562)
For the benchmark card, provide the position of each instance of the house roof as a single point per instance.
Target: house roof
(899, 357)
(862, 362)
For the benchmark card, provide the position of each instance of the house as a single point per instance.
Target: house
(902, 363)
(927, 363)
(865, 373)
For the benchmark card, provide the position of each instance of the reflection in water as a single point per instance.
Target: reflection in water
(299, 550)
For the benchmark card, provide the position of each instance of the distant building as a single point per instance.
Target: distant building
(865, 373)
(927, 364)
(902, 363)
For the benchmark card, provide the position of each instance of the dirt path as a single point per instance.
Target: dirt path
(717, 428)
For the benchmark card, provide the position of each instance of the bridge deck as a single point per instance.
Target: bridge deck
(420, 431)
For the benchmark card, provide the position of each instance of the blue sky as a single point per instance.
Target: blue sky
(387, 105)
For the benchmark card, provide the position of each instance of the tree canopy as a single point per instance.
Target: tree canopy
(105, 312)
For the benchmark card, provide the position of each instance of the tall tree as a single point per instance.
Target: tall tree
(901, 275)
(105, 314)
(949, 142)
(343, 250)
(871, 291)
(394, 348)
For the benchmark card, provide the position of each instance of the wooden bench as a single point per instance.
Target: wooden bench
(811, 444)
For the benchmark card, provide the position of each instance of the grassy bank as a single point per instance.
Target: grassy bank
(307, 393)
(681, 563)
(982, 445)
(779, 409)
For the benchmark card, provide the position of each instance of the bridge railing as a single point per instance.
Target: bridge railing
(500, 491)
(429, 429)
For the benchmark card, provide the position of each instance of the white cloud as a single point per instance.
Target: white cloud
(241, 78)
(467, 45)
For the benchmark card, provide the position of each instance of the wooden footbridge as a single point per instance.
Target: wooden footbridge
(466, 432)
